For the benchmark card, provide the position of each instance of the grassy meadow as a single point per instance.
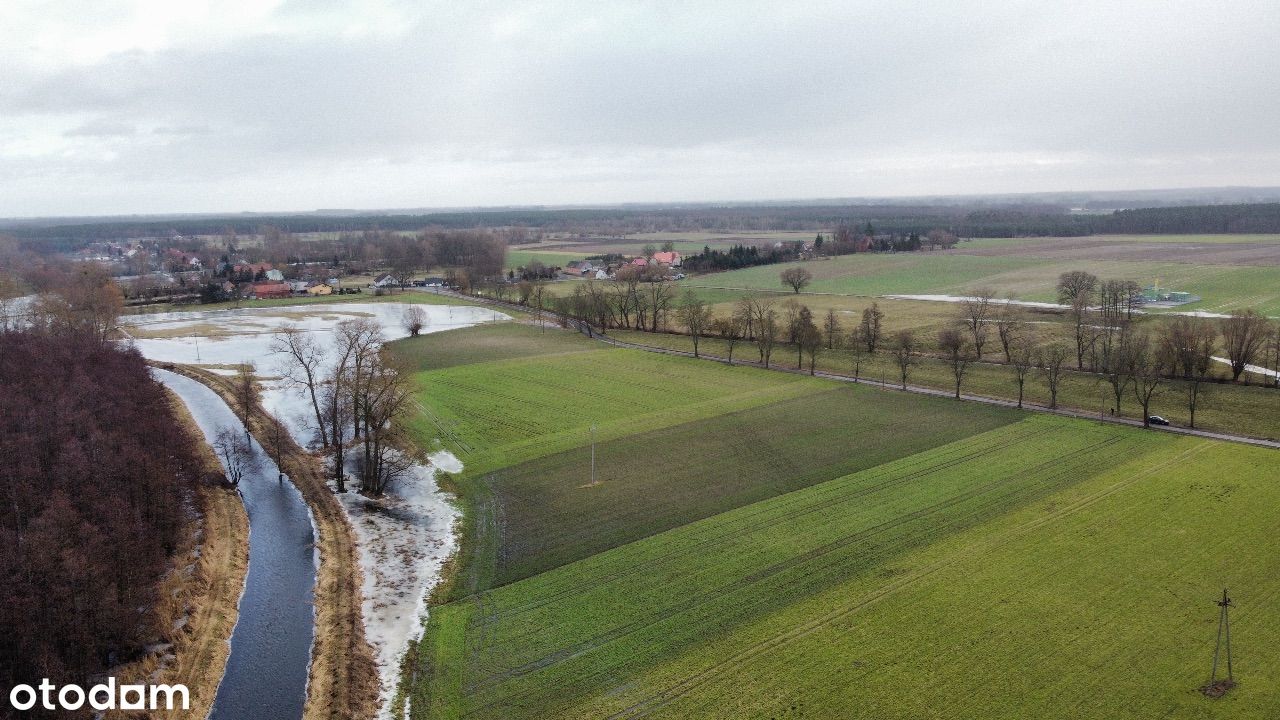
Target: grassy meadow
(763, 544)
(1227, 272)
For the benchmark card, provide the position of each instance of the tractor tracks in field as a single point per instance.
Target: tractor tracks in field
(655, 702)
(1048, 474)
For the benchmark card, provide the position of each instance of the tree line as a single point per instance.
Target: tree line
(97, 479)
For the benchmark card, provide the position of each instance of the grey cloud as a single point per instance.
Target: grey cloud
(944, 97)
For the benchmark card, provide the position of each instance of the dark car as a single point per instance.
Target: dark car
(1157, 420)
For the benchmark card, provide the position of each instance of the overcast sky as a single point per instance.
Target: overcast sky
(187, 106)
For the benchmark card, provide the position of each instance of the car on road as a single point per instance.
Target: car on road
(1157, 420)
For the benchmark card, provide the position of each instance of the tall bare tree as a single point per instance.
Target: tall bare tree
(1022, 356)
(386, 401)
(1145, 371)
(857, 350)
(1186, 348)
(809, 339)
(730, 330)
(766, 332)
(244, 392)
(955, 348)
(1242, 337)
(301, 366)
(975, 310)
(872, 327)
(831, 328)
(904, 353)
(696, 317)
(1007, 319)
(1050, 360)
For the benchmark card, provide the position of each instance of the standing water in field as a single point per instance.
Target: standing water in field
(402, 538)
(266, 673)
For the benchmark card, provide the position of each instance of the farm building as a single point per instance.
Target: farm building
(263, 290)
(386, 281)
(320, 289)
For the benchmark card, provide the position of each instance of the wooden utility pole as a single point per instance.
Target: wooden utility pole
(1216, 687)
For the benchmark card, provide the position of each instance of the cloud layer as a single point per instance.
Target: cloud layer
(152, 106)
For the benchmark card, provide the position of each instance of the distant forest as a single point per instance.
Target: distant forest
(96, 476)
(986, 220)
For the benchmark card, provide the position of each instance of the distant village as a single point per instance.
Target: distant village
(178, 269)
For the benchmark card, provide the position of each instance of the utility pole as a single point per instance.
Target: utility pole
(593, 453)
(1217, 688)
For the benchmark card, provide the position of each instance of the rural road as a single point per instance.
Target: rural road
(885, 385)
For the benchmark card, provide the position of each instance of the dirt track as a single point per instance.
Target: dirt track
(343, 682)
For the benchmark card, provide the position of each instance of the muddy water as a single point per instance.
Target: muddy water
(266, 674)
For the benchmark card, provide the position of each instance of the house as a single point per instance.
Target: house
(668, 258)
(433, 282)
(639, 262)
(386, 281)
(252, 268)
(319, 289)
(300, 286)
(264, 290)
(275, 275)
(602, 274)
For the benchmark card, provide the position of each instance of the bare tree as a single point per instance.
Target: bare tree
(303, 359)
(1008, 321)
(955, 348)
(1242, 336)
(387, 399)
(1186, 348)
(87, 304)
(244, 393)
(904, 353)
(276, 444)
(659, 296)
(1076, 284)
(235, 452)
(695, 315)
(1022, 356)
(809, 339)
(766, 333)
(730, 330)
(797, 278)
(538, 295)
(1146, 372)
(974, 311)
(1119, 345)
(413, 320)
(744, 310)
(831, 328)
(857, 349)
(871, 328)
(1050, 360)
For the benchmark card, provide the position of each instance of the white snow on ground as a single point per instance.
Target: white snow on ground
(402, 538)
(1045, 305)
(1255, 369)
(963, 298)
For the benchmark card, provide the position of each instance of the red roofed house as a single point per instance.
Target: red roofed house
(668, 258)
(639, 262)
(265, 290)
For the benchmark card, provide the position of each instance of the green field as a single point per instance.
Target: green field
(769, 545)
(1027, 276)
